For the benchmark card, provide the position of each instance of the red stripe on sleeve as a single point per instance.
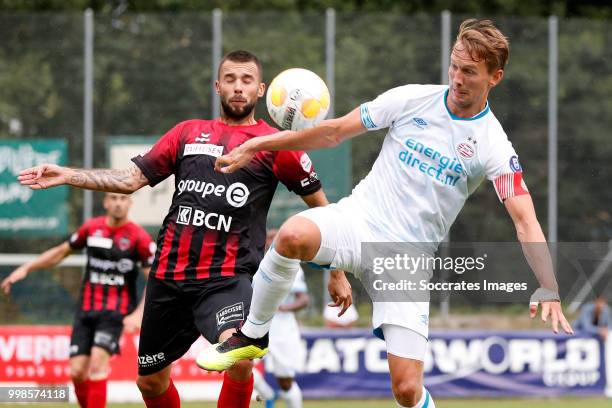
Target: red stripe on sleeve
(86, 297)
(182, 259)
(510, 185)
(111, 298)
(98, 296)
(206, 254)
(124, 301)
(231, 249)
(165, 251)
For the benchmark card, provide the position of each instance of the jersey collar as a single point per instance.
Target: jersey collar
(477, 116)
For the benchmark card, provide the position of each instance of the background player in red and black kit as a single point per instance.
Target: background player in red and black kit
(107, 303)
(213, 237)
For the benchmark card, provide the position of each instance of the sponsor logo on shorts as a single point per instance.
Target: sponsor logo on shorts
(198, 149)
(231, 313)
(104, 339)
(74, 349)
(151, 360)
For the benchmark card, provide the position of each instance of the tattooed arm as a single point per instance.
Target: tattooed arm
(124, 181)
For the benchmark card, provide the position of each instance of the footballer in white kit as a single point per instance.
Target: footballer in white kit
(429, 164)
(442, 142)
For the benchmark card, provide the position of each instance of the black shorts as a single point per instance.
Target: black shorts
(176, 313)
(101, 329)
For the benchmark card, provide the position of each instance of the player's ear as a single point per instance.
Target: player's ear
(496, 78)
(217, 87)
(262, 90)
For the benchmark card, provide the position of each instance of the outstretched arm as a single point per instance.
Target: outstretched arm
(44, 176)
(536, 252)
(328, 133)
(47, 259)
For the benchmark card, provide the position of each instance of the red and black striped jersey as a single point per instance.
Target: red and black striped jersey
(111, 273)
(216, 225)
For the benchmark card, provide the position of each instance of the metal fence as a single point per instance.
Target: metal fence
(86, 78)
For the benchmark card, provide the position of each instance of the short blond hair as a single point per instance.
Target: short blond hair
(484, 41)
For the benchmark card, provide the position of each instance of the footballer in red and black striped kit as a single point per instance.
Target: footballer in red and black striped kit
(216, 222)
(115, 246)
(212, 240)
(113, 254)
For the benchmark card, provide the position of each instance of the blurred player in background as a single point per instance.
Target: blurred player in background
(441, 143)
(594, 318)
(285, 343)
(213, 237)
(114, 246)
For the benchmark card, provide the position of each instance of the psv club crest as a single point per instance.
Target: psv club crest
(465, 150)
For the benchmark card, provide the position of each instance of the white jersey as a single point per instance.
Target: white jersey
(429, 164)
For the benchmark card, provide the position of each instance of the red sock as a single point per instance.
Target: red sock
(235, 394)
(169, 399)
(96, 397)
(81, 390)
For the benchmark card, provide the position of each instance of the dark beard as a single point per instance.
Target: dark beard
(235, 114)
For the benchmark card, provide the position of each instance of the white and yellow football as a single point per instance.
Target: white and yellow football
(297, 99)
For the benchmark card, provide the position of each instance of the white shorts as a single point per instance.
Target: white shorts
(404, 343)
(343, 230)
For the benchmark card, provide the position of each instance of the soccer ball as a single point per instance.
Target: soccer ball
(297, 99)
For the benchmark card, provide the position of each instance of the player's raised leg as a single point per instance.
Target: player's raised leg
(298, 239)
